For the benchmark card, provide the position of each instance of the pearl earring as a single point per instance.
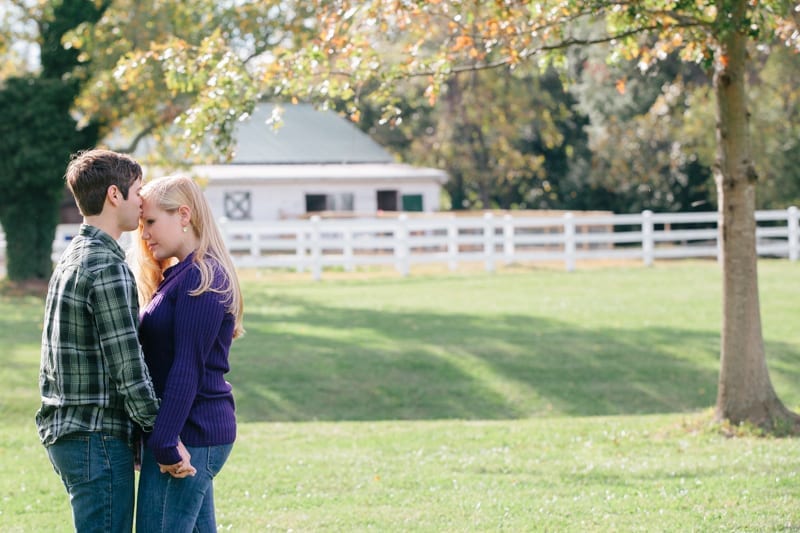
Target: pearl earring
(185, 229)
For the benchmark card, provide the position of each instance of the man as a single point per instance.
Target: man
(96, 390)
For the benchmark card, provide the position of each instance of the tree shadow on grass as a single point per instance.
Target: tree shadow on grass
(329, 363)
(302, 361)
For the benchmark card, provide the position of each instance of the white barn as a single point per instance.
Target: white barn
(316, 161)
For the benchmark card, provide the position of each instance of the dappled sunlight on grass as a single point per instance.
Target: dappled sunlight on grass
(386, 350)
(471, 347)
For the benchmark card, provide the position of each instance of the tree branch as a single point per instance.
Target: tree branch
(532, 52)
(137, 139)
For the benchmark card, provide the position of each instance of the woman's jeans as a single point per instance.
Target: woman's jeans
(171, 505)
(97, 471)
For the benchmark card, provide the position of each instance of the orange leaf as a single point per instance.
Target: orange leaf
(462, 41)
(621, 86)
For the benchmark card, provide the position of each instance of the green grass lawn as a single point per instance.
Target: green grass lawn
(526, 400)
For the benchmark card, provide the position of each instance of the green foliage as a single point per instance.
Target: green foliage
(189, 71)
(775, 105)
(182, 73)
(37, 136)
(56, 59)
(185, 72)
(643, 155)
(523, 151)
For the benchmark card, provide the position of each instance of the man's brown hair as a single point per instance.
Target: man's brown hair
(90, 174)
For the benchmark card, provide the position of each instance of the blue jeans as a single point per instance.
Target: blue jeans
(170, 505)
(97, 470)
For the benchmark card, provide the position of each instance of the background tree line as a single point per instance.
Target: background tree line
(611, 139)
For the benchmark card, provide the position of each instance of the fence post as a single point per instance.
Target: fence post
(508, 238)
(488, 241)
(648, 245)
(452, 243)
(255, 248)
(300, 250)
(794, 232)
(316, 248)
(401, 245)
(569, 241)
(348, 249)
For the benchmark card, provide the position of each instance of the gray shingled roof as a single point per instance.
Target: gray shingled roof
(305, 136)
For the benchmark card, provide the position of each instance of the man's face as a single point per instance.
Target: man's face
(131, 208)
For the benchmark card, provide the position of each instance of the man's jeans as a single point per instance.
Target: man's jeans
(97, 471)
(170, 505)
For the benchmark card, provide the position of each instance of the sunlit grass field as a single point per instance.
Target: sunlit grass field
(531, 399)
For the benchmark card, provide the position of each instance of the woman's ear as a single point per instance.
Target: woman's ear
(186, 215)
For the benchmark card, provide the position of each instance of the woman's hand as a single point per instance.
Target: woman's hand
(182, 469)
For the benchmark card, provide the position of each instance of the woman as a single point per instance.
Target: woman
(192, 310)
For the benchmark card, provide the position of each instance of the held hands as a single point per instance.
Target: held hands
(182, 469)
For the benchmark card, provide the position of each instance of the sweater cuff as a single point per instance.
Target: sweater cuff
(167, 456)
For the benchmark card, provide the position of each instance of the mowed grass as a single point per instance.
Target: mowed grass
(526, 400)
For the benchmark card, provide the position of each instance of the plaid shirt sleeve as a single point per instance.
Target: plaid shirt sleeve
(115, 308)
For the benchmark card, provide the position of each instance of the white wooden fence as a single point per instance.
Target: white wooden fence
(318, 244)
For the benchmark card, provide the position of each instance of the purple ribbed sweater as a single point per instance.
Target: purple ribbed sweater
(186, 340)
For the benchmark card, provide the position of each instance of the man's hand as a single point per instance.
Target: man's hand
(182, 469)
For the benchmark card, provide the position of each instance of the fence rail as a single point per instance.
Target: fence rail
(316, 244)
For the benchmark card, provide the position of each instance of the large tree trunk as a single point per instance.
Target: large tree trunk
(30, 227)
(745, 391)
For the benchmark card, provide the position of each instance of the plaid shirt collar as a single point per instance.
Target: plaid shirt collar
(92, 232)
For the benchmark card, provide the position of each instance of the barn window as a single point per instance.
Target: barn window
(330, 202)
(238, 205)
(387, 200)
(412, 202)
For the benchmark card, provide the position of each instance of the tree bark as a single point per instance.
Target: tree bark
(745, 392)
(30, 227)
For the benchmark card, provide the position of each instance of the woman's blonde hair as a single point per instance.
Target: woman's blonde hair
(169, 194)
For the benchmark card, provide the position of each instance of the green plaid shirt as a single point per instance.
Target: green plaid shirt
(92, 375)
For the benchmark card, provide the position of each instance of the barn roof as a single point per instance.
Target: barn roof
(304, 136)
